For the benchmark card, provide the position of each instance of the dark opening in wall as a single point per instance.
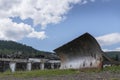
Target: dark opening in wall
(90, 64)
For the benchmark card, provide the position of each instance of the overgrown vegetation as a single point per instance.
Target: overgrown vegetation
(112, 69)
(37, 73)
(47, 73)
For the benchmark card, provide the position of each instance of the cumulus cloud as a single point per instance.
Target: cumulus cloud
(39, 35)
(109, 39)
(13, 31)
(116, 49)
(42, 12)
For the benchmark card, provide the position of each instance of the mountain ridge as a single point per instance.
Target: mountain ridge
(19, 50)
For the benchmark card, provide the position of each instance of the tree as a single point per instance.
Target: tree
(117, 57)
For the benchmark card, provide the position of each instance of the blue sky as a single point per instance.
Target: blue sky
(52, 26)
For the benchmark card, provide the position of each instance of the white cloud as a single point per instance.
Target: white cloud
(85, 2)
(39, 35)
(13, 31)
(42, 12)
(109, 39)
(106, 50)
(116, 49)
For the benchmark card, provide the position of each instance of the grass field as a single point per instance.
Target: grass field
(38, 73)
(112, 68)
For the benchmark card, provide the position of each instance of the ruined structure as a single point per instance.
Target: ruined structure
(28, 64)
(82, 52)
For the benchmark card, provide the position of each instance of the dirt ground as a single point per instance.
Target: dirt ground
(80, 76)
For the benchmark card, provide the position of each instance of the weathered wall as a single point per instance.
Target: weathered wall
(83, 52)
(79, 61)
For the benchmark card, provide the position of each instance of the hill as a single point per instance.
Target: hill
(114, 55)
(13, 49)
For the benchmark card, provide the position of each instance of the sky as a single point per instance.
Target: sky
(48, 24)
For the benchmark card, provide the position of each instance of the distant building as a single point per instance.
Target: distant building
(82, 52)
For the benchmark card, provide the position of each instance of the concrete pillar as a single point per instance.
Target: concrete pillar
(42, 66)
(58, 65)
(12, 66)
(52, 65)
(29, 66)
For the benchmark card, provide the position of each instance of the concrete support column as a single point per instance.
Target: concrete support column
(29, 66)
(42, 66)
(12, 66)
(52, 65)
(58, 65)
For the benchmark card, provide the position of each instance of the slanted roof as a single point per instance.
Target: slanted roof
(85, 40)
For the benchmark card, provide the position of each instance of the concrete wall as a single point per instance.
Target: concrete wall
(78, 61)
(82, 52)
(81, 62)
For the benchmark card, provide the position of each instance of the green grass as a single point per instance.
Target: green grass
(38, 73)
(112, 69)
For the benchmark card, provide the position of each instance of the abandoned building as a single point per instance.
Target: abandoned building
(82, 52)
(28, 64)
(85, 52)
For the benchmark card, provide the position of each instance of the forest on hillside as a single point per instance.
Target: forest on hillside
(13, 49)
(115, 55)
